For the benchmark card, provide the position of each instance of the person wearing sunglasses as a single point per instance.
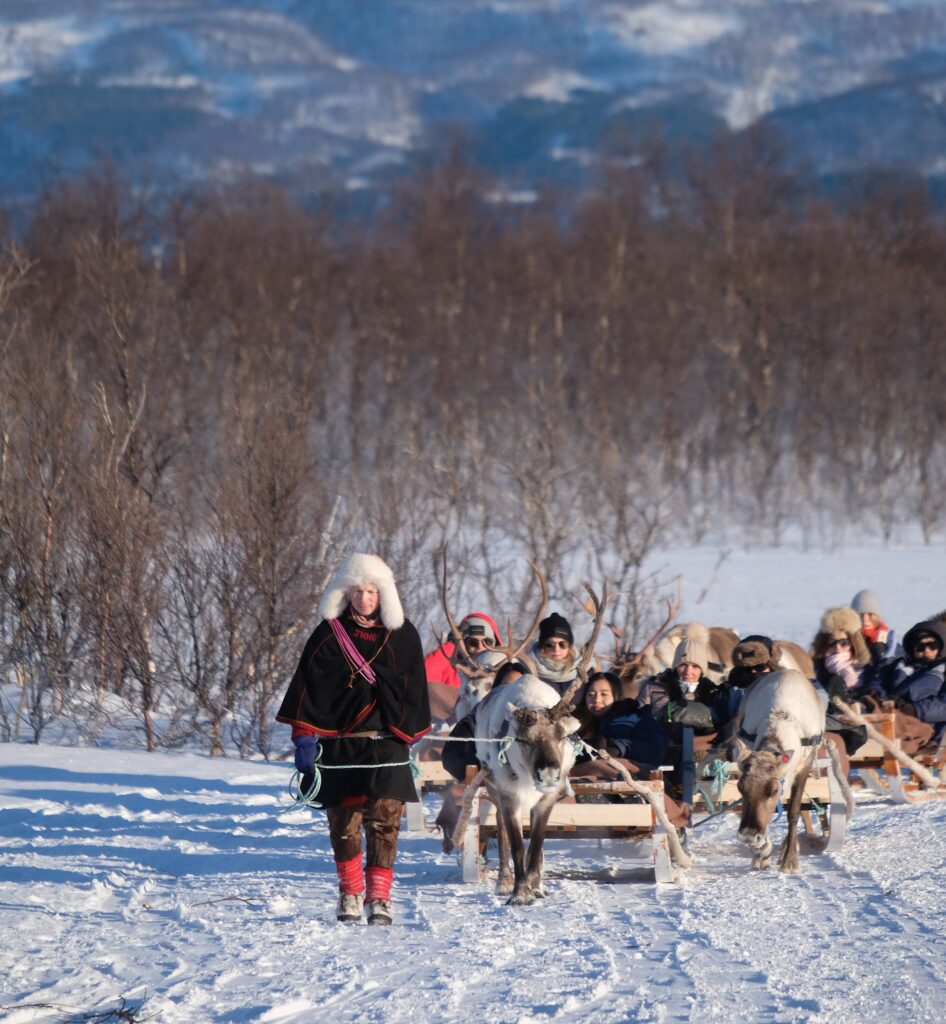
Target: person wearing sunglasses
(554, 654)
(841, 658)
(921, 691)
(480, 633)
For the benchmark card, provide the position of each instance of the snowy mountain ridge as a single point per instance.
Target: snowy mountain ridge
(345, 92)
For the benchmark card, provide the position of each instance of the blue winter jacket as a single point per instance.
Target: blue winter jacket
(926, 691)
(631, 733)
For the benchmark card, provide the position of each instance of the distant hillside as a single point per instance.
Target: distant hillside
(346, 92)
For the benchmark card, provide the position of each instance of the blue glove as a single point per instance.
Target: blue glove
(307, 750)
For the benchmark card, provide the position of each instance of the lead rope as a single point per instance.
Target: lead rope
(309, 798)
(719, 776)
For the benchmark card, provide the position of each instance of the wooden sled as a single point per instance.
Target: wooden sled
(632, 825)
(885, 776)
(433, 776)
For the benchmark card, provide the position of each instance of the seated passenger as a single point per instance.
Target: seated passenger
(922, 692)
(554, 654)
(479, 633)
(618, 726)
(628, 734)
(841, 660)
(684, 695)
(878, 636)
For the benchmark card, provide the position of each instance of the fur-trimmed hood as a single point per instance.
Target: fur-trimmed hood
(356, 570)
(934, 627)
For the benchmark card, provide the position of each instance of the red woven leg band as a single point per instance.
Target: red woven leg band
(351, 878)
(379, 883)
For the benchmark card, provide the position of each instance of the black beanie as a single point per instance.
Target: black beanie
(555, 625)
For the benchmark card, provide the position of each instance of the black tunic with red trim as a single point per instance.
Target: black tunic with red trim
(328, 699)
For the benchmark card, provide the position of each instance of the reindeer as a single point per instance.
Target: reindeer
(529, 774)
(784, 720)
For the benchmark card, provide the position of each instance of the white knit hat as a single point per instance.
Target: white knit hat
(358, 570)
(693, 649)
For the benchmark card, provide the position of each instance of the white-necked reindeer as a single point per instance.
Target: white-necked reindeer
(527, 775)
(782, 724)
(529, 772)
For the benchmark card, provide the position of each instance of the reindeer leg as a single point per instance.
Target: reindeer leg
(760, 858)
(505, 880)
(788, 858)
(521, 893)
(538, 821)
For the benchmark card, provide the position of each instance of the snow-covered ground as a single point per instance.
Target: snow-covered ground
(178, 888)
(186, 887)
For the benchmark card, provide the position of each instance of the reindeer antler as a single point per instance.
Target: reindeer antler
(588, 650)
(540, 576)
(467, 664)
(454, 628)
(673, 610)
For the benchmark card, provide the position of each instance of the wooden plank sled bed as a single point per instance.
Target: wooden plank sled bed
(633, 825)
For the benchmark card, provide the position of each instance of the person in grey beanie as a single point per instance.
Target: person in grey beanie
(879, 637)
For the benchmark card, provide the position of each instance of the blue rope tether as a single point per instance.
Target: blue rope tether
(307, 799)
(718, 772)
(310, 797)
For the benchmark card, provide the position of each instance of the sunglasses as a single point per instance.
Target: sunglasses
(840, 643)
(475, 643)
(926, 645)
(555, 643)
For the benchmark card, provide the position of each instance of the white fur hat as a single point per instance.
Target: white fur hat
(357, 570)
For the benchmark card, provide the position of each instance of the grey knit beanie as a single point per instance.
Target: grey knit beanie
(865, 602)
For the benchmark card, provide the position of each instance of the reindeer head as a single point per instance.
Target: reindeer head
(542, 735)
(473, 689)
(760, 785)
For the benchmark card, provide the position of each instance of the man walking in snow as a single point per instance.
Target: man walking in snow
(356, 702)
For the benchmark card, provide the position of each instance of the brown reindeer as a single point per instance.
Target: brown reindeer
(721, 642)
